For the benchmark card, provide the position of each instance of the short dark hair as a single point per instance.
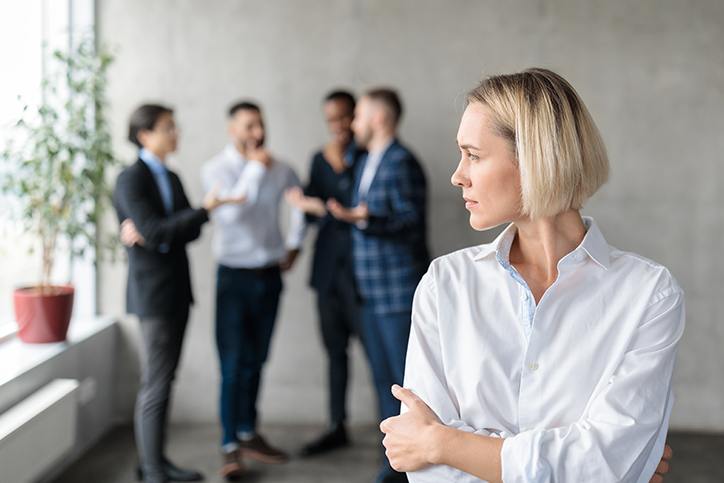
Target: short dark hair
(243, 106)
(389, 100)
(145, 118)
(341, 95)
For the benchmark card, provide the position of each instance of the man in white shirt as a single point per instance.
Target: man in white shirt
(251, 253)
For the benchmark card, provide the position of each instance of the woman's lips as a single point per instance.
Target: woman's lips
(469, 203)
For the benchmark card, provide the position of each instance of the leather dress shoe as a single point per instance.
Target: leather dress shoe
(335, 437)
(173, 473)
(231, 466)
(258, 449)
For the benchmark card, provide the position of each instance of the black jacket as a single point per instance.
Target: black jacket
(334, 242)
(158, 283)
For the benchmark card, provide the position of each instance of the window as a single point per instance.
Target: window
(25, 27)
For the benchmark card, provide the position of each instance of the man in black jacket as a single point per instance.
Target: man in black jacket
(156, 224)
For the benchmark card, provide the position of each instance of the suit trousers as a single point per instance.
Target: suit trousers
(246, 309)
(339, 318)
(385, 337)
(162, 338)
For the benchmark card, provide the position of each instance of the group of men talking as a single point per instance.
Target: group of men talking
(366, 193)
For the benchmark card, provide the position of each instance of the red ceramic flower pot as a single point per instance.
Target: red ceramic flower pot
(43, 315)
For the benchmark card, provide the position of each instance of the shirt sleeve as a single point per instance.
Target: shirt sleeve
(620, 437)
(315, 189)
(247, 184)
(425, 376)
(177, 228)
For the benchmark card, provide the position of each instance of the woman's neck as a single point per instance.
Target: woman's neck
(541, 244)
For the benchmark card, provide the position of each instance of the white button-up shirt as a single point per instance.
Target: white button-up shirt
(579, 385)
(249, 235)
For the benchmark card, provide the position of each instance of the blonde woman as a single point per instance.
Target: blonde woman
(546, 355)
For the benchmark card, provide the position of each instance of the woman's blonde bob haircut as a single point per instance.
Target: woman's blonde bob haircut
(560, 153)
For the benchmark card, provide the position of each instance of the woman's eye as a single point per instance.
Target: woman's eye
(472, 157)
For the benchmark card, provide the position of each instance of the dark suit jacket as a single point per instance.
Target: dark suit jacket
(334, 245)
(158, 283)
(390, 253)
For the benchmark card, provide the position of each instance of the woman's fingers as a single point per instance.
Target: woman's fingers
(404, 395)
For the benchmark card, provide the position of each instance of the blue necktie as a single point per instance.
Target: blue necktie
(164, 186)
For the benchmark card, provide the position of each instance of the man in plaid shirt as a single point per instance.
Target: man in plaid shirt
(389, 243)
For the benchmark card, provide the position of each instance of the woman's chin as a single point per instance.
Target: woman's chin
(478, 224)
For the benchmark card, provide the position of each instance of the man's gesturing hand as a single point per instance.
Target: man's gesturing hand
(212, 200)
(349, 215)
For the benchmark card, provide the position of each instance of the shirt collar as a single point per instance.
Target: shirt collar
(381, 152)
(234, 153)
(154, 164)
(594, 244)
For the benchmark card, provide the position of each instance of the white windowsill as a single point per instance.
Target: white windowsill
(7, 332)
(17, 357)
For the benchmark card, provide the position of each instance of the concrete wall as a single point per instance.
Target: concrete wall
(650, 71)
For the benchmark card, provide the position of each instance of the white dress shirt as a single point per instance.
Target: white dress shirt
(249, 235)
(579, 386)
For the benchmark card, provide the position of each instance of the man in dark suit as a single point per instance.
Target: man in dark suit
(338, 304)
(389, 243)
(156, 224)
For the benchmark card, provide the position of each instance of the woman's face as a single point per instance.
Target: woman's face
(487, 173)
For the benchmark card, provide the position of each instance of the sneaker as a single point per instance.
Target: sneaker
(258, 449)
(231, 466)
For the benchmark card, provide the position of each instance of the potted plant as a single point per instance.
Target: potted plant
(55, 174)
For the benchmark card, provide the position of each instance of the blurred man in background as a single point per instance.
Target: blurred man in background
(251, 255)
(388, 241)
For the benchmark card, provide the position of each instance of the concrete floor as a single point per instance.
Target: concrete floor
(113, 460)
(697, 457)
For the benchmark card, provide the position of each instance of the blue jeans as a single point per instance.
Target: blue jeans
(246, 308)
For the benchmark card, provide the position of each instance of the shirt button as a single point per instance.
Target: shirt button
(529, 429)
(533, 366)
(524, 295)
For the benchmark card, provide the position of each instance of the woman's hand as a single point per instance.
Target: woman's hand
(308, 204)
(663, 467)
(410, 438)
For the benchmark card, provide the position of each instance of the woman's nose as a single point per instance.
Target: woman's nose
(460, 176)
